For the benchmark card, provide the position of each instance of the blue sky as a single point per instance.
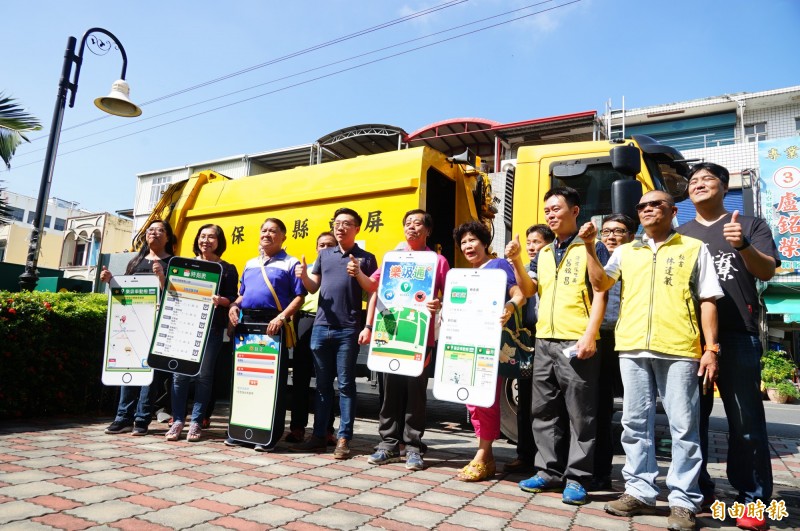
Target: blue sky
(569, 59)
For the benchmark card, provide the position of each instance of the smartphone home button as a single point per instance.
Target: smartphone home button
(394, 365)
(173, 364)
(462, 394)
(248, 434)
(127, 377)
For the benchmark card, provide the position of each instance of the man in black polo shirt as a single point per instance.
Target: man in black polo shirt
(334, 340)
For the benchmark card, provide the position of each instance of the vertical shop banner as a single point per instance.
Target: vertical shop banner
(779, 189)
(402, 319)
(132, 305)
(468, 352)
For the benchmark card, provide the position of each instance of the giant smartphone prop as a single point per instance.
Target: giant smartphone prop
(468, 353)
(185, 316)
(132, 304)
(257, 369)
(402, 319)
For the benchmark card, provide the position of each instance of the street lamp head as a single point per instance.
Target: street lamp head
(117, 102)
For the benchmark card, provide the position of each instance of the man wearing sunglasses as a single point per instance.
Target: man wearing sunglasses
(742, 249)
(669, 292)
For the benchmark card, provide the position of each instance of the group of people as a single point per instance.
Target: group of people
(668, 315)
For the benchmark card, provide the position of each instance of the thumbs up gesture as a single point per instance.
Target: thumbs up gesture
(732, 231)
(513, 249)
(301, 269)
(353, 266)
(105, 275)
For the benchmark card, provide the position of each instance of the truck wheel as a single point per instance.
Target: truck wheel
(508, 408)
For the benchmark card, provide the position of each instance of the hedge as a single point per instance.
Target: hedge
(51, 354)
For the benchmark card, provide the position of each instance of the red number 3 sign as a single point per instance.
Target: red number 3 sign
(787, 177)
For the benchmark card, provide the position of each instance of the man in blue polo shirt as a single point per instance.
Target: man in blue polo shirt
(334, 341)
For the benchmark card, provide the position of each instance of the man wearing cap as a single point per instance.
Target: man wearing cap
(743, 250)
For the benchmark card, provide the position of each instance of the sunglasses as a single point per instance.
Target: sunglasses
(653, 204)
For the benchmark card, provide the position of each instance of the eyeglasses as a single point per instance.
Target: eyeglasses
(343, 224)
(652, 204)
(155, 230)
(615, 232)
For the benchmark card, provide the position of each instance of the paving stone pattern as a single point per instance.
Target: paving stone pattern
(67, 474)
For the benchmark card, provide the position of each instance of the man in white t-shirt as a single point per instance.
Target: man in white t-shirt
(669, 293)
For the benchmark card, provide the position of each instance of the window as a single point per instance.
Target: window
(32, 218)
(157, 187)
(756, 132)
(2, 250)
(80, 254)
(16, 214)
(60, 224)
(594, 187)
(797, 125)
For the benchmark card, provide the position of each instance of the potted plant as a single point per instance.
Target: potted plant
(777, 370)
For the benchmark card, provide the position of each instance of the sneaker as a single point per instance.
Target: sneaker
(229, 441)
(118, 426)
(382, 457)
(195, 432)
(263, 448)
(535, 484)
(139, 429)
(296, 435)
(681, 519)
(626, 505)
(174, 432)
(312, 444)
(414, 461)
(574, 494)
(598, 483)
(342, 450)
(752, 523)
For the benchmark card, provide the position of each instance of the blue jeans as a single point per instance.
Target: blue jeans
(749, 467)
(676, 382)
(335, 354)
(202, 382)
(135, 402)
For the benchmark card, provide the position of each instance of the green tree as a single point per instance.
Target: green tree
(14, 123)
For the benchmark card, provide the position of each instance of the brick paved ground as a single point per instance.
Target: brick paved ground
(62, 474)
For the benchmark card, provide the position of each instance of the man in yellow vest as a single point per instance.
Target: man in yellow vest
(669, 287)
(565, 369)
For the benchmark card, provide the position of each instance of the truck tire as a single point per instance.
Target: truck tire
(508, 408)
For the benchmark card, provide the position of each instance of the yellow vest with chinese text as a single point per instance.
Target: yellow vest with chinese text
(564, 293)
(659, 306)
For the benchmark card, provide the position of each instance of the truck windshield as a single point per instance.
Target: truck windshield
(668, 175)
(594, 186)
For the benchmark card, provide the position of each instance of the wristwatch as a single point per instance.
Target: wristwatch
(745, 244)
(712, 348)
(281, 318)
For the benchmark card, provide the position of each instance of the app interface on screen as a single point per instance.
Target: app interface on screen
(470, 330)
(186, 314)
(130, 328)
(255, 380)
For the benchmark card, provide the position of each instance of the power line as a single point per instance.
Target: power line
(129, 123)
(337, 40)
(331, 74)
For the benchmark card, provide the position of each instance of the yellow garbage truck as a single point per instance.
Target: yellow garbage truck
(610, 176)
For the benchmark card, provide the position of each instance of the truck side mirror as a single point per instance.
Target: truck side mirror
(625, 195)
(626, 160)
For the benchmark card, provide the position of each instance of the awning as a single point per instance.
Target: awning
(787, 304)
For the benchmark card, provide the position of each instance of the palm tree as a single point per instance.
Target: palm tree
(14, 122)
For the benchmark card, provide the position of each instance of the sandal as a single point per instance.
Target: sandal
(477, 471)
